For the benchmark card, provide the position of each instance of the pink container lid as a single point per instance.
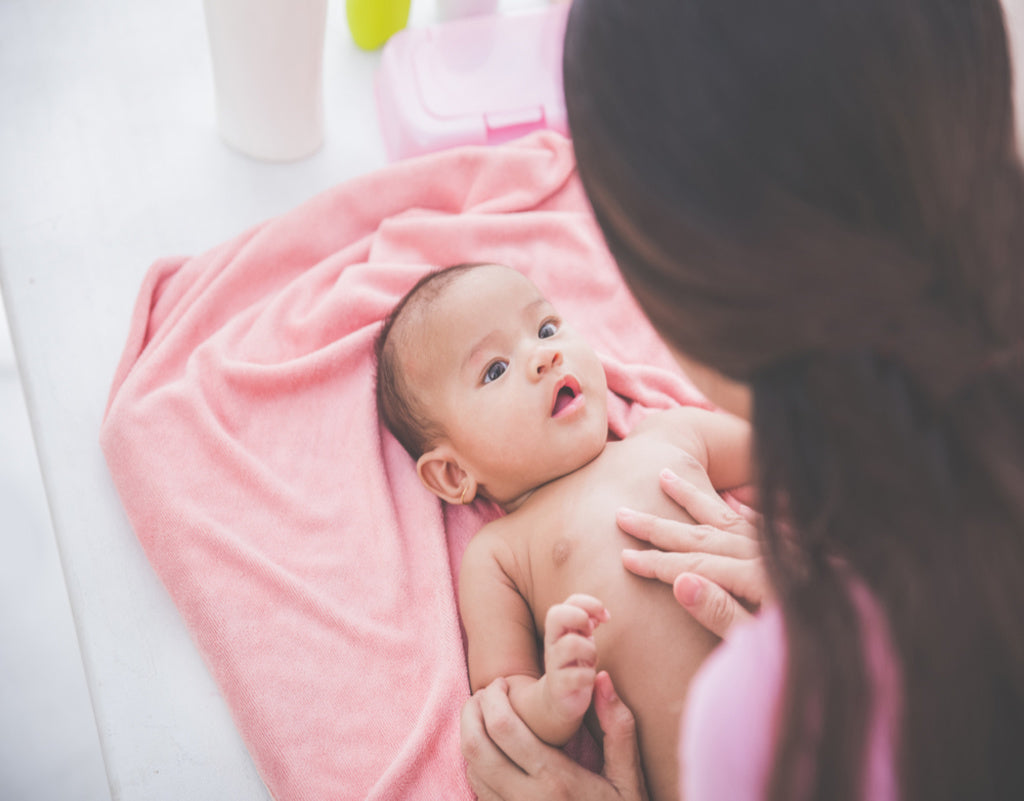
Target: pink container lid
(479, 80)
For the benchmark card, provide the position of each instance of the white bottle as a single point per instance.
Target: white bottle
(268, 75)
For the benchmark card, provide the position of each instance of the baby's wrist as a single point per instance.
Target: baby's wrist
(566, 709)
(531, 699)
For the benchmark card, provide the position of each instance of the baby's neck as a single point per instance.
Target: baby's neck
(510, 506)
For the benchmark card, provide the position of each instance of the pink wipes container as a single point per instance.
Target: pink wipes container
(481, 80)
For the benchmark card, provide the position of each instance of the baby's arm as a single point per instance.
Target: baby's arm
(720, 441)
(503, 642)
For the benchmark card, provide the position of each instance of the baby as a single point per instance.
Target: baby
(495, 396)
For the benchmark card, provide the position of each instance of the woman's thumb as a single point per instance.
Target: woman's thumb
(621, 752)
(713, 607)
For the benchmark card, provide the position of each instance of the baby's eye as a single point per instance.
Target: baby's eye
(549, 329)
(495, 371)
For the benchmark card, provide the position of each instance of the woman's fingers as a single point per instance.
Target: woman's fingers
(621, 751)
(746, 496)
(487, 765)
(673, 535)
(506, 761)
(481, 789)
(712, 564)
(713, 607)
(705, 507)
(742, 509)
(743, 578)
(515, 740)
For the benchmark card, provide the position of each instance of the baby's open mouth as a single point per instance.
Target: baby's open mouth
(565, 394)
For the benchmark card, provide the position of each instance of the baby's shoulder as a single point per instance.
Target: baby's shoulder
(679, 419)
(497, 555)
(495, 542)
(680, 426)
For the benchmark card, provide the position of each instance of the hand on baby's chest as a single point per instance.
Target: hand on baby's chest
(572, 541)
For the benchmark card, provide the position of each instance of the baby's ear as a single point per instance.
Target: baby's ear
(440, 473)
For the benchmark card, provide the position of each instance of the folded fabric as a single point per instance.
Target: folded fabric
(313, 569)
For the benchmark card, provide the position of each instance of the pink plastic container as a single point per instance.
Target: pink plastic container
(481, 80)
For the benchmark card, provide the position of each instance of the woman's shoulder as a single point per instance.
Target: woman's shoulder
(727, 739)
(730, 722)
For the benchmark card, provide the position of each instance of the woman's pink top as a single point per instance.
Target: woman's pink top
(727, 739)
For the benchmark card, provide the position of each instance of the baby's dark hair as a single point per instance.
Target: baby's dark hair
(397, 406)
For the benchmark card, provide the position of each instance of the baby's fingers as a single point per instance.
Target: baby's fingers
(570, 667)
(571, 651)
(570, 690)
(580, 613)
(589, 604)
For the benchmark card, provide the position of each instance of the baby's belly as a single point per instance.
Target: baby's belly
(650, 646)
(651, 655)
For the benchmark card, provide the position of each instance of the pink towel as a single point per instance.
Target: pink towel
(313, 569)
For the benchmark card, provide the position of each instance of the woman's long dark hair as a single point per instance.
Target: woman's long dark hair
(824, 200)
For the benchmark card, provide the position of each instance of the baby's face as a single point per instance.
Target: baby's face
(520, 395)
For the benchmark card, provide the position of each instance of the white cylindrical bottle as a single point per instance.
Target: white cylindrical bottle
(267, 60)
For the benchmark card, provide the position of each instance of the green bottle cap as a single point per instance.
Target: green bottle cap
(373, 22)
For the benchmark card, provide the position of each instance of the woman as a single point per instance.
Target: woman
(819, 204)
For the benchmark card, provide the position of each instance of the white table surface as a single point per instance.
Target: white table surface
(109, 159)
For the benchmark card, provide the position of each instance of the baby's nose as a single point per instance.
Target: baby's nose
(544, 359)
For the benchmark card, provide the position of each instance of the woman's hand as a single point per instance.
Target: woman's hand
(712, 565)
(506, 762)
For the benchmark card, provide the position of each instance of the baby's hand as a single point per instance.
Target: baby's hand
(570, 656)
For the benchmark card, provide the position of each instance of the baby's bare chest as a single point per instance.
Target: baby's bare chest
(568, 542)
(572, 542)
